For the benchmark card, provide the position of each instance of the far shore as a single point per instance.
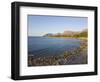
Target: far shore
(81, 38)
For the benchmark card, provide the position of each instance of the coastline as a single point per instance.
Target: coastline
(75, 56)
(81, 38)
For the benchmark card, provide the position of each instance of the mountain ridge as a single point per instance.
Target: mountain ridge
(68, 33)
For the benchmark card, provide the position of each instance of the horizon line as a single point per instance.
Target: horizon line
(61, 32)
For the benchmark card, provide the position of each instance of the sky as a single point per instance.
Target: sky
(39, 25)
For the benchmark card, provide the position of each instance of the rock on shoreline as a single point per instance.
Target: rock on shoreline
(75, 56)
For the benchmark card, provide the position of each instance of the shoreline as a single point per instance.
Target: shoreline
(75, 56)
(82, 38)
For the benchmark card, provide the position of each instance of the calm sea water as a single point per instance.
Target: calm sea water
(44, 46)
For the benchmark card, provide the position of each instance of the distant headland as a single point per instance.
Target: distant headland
(70, 34)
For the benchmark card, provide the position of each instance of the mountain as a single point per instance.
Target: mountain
(82, 33)
(47, 35)
(69, 33)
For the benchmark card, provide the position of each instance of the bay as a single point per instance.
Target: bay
(45, 46)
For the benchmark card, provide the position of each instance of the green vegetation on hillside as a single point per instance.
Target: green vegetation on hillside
(82, 34)
(69, 34)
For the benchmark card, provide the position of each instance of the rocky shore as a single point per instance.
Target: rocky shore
(74, 56)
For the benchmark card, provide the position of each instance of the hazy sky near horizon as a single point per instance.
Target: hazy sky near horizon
(39, 25)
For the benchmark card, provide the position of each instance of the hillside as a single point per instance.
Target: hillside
(83, 33)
